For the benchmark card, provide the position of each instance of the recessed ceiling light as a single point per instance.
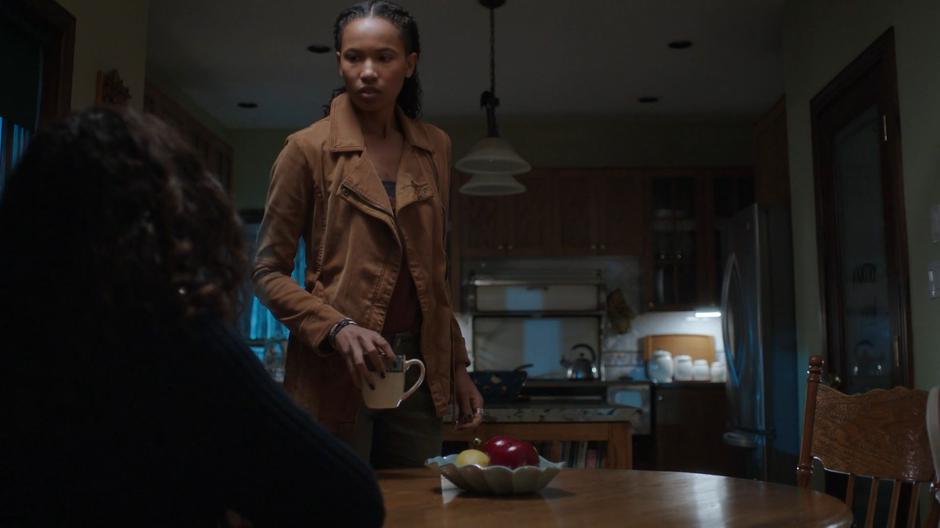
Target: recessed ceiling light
(247, 104)
(318, 48)
(680, 44)
(648, 99)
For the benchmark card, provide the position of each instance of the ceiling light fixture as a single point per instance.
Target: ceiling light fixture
(492, 162)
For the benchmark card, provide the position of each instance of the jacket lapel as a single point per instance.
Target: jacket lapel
(413, 181)
(360, 177)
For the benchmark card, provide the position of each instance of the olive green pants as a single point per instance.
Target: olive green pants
(402, 437)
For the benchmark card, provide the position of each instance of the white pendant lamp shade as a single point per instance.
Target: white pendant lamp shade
(491, 185)
(492, 162)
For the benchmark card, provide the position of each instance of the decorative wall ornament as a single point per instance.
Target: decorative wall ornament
(111, 89)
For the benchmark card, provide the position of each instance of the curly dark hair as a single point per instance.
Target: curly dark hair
(409, 99)
(109, 217)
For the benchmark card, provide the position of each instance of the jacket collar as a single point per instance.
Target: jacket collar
(346, 134)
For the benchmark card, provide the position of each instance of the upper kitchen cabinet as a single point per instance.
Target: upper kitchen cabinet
(517, 225)
(531, 222)
(622, 225)
(577, 204)
(674, 260)
(600, 212)
(564, 212)
(687, 209)
(481, 223)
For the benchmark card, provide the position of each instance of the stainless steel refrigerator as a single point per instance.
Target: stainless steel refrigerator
(760, 342)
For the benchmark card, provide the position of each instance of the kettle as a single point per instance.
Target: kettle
(581, 368)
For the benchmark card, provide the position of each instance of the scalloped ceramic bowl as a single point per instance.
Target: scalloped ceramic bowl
(496, 480)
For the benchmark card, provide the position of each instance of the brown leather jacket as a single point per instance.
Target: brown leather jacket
(323, 190)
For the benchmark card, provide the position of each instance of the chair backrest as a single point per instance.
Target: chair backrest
(933, 432)
(881, 434)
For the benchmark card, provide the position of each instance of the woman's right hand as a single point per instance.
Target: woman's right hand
(356, 344)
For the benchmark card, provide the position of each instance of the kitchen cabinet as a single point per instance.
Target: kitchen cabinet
(671, 219)
(676, 222)
(516, 225)
(688, 423)
(622, 225)
(576, 203)
(564, 212)
(687, 209)
(600, 211)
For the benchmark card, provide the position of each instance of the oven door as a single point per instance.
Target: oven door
(632, 395)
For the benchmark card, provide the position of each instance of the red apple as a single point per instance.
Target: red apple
(510, 452)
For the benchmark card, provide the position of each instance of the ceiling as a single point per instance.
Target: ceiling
(555, 58)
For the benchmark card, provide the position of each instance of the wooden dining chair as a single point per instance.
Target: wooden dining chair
(881, 435)
(933, 433)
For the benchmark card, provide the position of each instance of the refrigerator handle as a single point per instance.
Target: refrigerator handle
(730, 274)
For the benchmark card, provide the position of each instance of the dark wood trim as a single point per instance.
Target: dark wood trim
(875, 70)
(55, 27)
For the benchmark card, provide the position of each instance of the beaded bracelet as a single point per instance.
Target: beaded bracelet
(343, 323)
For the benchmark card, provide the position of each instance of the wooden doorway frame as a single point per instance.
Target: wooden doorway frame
(876, 66)
(54, 26)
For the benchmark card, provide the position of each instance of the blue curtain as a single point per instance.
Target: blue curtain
(262, 325)
(18, 139)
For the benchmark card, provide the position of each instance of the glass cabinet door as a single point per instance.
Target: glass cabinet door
(674, 241)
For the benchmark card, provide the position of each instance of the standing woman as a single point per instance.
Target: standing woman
(366, 188)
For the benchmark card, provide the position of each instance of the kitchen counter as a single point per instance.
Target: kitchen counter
(562, 421)
(561, 411)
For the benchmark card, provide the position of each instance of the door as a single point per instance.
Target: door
(575, 199)
(36, 43)
(529, 216)
(675, 239)
(482, 224)
(622, 217)
(861, 227)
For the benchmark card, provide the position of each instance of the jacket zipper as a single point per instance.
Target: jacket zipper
(365, 200)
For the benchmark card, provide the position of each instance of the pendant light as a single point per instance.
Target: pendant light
(492, 162)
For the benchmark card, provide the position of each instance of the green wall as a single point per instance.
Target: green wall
(821, 38)
(109, 34)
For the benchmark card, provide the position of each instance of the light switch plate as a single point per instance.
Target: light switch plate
(935, 223)
(933, 279)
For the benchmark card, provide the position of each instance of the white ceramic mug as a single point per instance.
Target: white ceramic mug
(390, 391)
(683, 368)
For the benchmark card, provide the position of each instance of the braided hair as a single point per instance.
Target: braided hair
(409, 99)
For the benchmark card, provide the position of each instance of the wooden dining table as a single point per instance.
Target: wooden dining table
(597, 498)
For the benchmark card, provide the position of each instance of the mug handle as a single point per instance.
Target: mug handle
(408, 364)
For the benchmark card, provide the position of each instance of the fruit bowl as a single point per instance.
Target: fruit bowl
(496, 480)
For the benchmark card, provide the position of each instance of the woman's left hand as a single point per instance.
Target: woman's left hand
(469, 401)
